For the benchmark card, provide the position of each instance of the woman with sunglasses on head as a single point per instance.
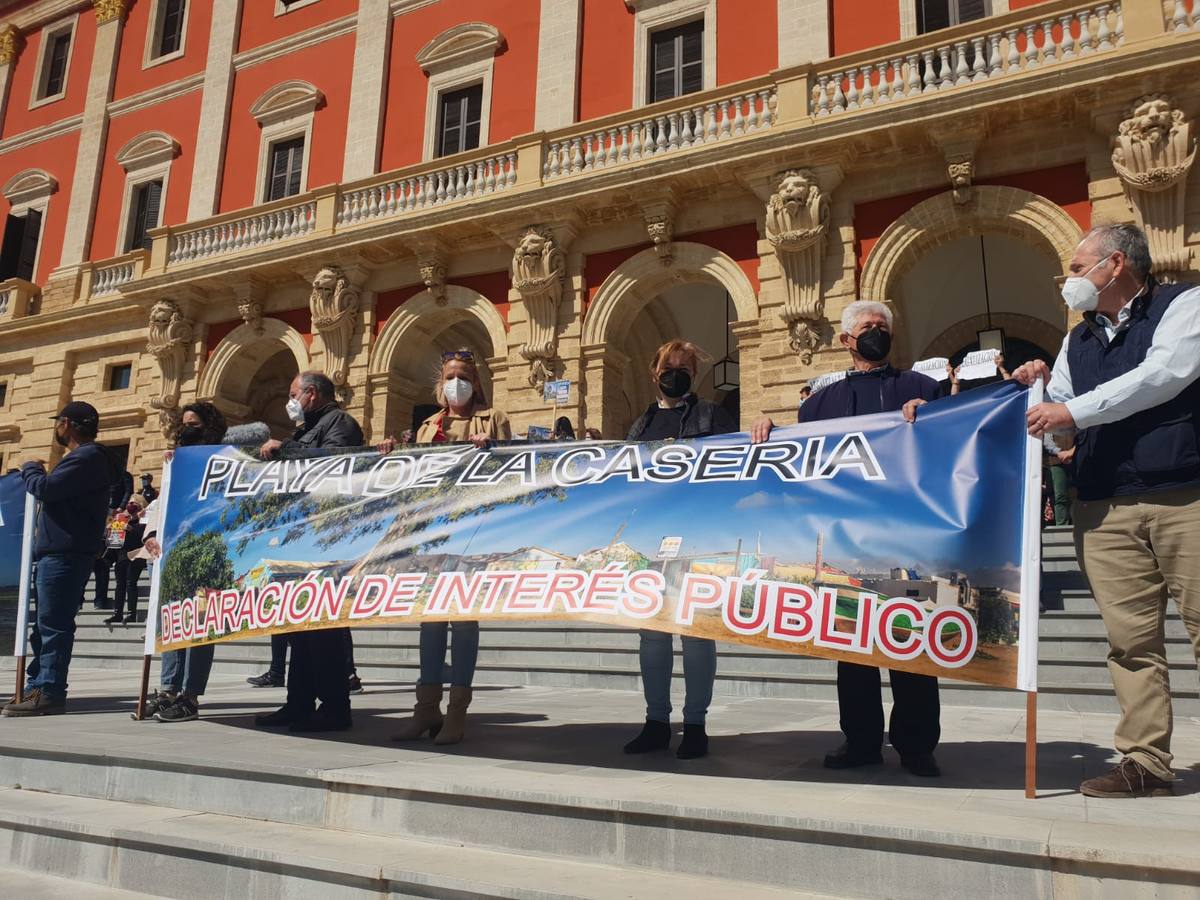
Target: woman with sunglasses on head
(464, 417)
(677, 413)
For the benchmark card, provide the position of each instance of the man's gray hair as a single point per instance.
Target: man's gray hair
(859, 308)
(1129, 240)
(319, 382)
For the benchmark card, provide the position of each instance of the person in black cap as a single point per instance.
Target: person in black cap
(70, 534)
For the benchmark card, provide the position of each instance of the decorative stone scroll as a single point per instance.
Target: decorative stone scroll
(538, 268)
(168, 338)
(1153, 153)
(796, 225)
(334, 303)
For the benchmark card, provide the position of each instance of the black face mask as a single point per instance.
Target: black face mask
(189, 436)
(675, 383)
(874, 344)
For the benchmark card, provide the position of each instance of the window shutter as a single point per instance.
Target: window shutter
(295, 167)
(277, 184)
(933, 15)
(10, 253)
(153, 194)
(970, 10)
(29, 244)
(172, 27)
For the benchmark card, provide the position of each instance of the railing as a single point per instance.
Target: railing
(6, 301)
(258, 228)
(699, 122)
(111, 277)
(1184, 17)
(965, 58)
(461, 181)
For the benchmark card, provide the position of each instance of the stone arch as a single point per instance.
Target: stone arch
(424, 312)
(396, 383)
(246, 347)
(992, 209)
(960, 334)
(638, 280)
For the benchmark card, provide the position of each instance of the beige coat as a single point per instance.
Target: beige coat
(492, 422)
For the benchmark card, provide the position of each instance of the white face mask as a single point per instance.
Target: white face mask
(458, 391)
(295, 412)
(1080, 294)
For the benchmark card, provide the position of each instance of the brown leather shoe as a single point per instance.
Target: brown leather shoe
(1127, 779)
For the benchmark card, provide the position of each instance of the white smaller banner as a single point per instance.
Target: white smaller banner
(23, 589)
(978, 364)
(823, 381)
(935, 367)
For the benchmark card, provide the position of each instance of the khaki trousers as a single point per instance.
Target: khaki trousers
(1136, 551)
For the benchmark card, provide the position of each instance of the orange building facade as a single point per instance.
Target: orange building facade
(203, 197)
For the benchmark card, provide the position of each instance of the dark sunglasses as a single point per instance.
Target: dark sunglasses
(463, 355)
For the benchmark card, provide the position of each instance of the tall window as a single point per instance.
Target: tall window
(19, 251)
(54, 68)
(676, 62)
(144, 210)
(458, 120)
(170, 27)
(287, 165)
(936, 14)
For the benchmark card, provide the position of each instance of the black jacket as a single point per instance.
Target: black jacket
(700, 418)
(327, 428)
(895, 389)
(75, 499)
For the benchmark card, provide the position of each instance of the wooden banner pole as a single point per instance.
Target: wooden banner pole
(141, 704)
(1031, 745)
(19, 693)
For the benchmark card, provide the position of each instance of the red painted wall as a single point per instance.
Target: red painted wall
(56, 157)
(18, 117)
(1065, 185)
(327, 66)
(132, 78)
(747, 39)
(859, 24)
(261, 26)
(1021, 4)
(514, 79)
(178, 118)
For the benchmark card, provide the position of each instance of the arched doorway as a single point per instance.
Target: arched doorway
(248, 375)
(699, 297)
(407, 356)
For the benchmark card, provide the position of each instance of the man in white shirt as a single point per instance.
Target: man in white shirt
(1127, 385)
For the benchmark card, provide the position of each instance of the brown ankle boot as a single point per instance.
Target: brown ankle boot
(456, 716)
(427, 714)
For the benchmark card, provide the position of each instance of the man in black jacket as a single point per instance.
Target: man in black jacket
(70, 535)
(319, 658)
(873, 386)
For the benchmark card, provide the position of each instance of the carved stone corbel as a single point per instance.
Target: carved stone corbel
(961, 169)
(660, 227)
(168, 338)
(431, 267)
(334, 304)
(796, 225)
(1153, 153)
(249, 296)
(538, 269)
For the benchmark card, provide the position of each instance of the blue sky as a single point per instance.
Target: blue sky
(908, 519)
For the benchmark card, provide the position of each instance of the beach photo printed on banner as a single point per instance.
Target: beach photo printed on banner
(867, 539)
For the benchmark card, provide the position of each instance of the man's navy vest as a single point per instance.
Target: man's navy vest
(1154, 450)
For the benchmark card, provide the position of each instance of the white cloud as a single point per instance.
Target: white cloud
(757, 500)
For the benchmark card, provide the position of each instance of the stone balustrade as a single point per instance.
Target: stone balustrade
(1185, 16)
(108, 278)
(995, 50)
(6, 301)
(254, 229)
(395, 196)
(699, 121)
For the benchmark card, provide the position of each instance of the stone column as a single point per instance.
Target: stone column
(214, 109)
(804, 32)
(558, 64)
(110, 18)
(11, 44)
(603, 371)
(364, 127)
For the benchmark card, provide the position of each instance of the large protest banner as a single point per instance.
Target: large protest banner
(913, 547)
(12, 528)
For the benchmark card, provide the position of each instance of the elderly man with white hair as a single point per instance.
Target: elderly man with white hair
(872, 385)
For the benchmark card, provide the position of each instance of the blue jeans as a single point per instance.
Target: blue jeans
(699, 673)
(187, 670)
(61, 578)
(464, 650)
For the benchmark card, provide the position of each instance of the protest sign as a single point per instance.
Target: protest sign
(978, 364)
(557, 392)
(12, 527)
(934, 367)
(823, 381)
(870, 540)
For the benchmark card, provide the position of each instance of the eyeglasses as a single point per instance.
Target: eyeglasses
(463, 355)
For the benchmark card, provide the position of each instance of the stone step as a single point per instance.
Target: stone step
(545, 805)
(35, 886)
(181, 853)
